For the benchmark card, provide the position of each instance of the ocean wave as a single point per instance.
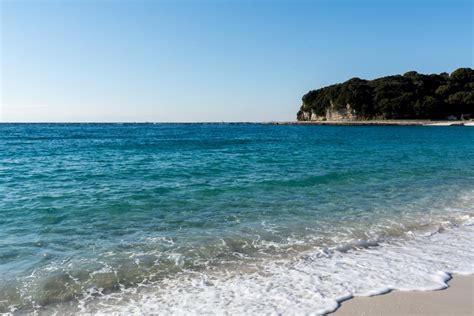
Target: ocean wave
(307, 284)
(313, 280)
(182, 219)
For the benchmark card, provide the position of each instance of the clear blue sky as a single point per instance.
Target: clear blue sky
(212, 60)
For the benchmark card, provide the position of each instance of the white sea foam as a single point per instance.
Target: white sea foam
(312, 283)
(293, 276)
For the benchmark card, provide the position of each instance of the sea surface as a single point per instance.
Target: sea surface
(229, 218)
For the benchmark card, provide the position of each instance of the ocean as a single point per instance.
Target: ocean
(229, 218)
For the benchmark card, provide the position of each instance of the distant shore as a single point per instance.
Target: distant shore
(343, 123)
(456, 299)
(378, 122)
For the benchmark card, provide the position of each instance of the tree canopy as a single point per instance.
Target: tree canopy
(409, 96)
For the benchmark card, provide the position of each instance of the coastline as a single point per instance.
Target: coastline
(377, 123)
(456, 299)
(319, 284)
(347, 123)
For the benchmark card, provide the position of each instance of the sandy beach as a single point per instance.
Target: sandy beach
(456, 299)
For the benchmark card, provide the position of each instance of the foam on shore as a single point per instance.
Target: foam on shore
(312, 283)
(455, 300)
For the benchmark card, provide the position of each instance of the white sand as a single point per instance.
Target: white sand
(457, 299)
(442, 124)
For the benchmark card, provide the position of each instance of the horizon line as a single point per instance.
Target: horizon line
(141, 122)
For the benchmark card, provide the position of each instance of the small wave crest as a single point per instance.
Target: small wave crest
(313, 281)
(298, 273)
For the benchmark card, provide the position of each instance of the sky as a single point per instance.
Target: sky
(212, 61)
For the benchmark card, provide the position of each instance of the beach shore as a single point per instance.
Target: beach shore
(377, 122)
(456, 299)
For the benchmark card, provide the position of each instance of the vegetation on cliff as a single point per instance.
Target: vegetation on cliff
(408, 96)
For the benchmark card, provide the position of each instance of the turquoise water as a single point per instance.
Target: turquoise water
(94, 213)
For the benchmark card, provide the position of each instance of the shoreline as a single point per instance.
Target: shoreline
(378, 123)
(294, 283)
(456, 299)
(343, 123)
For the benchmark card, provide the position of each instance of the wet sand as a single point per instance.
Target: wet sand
(456, 299)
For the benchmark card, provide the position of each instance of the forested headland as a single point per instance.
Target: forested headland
(408, 96)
